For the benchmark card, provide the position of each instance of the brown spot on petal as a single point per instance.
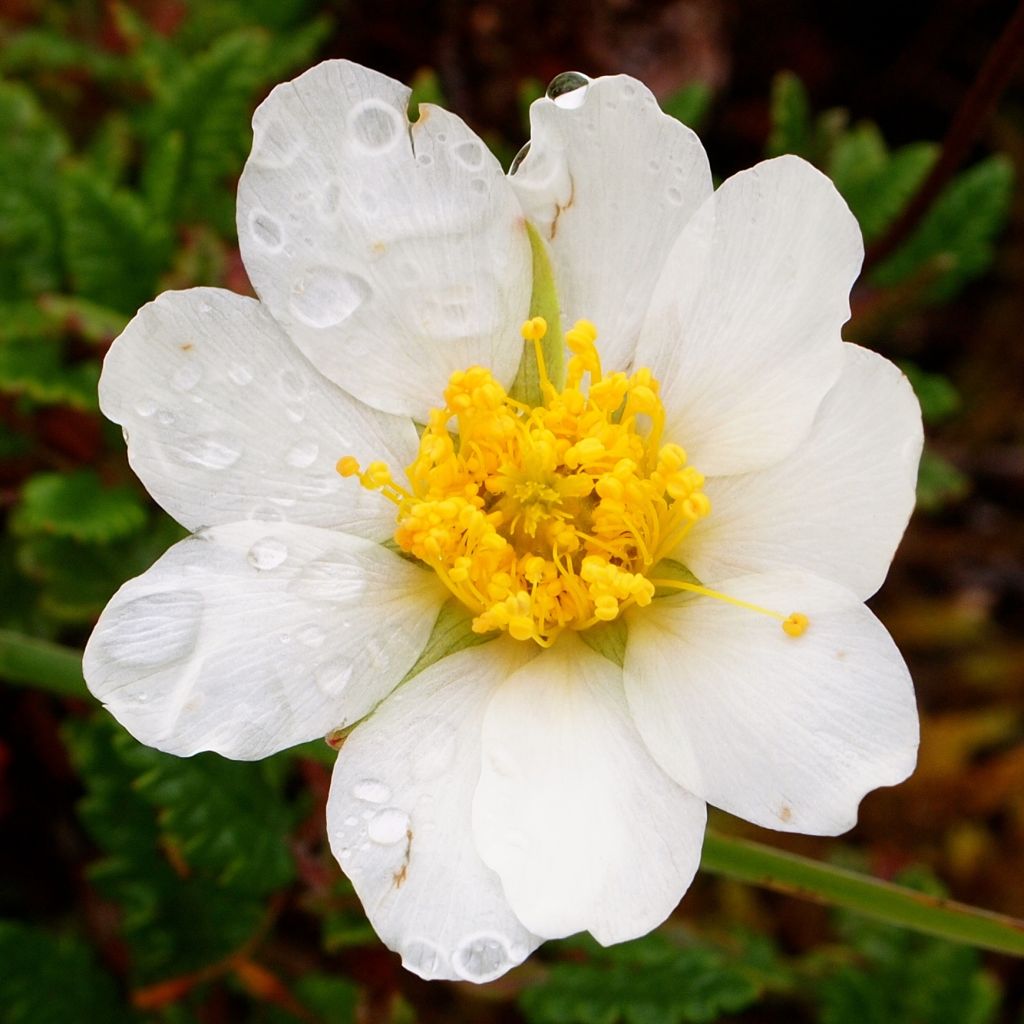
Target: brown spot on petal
(403, 872)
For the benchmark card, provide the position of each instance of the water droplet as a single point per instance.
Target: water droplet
(480, 186)
(482, 957)
(471, 154)
(205, 308)
(241, 375)
(519, 158)
(187, 377)
(674, 195)
(208, 451)
(303, 454)
(267, 553)
(569, 89)
(145, 407)
(266, 230)
(296, 413)
(372, 790)
(424, 159)
(376, 126)
(422, 957)
(345, 853)
(153, 630)
(629, 90)
(325, 296)
(388, 826)
(165, 418)
(351, 821)
(266, 514)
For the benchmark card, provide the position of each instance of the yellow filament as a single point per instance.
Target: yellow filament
(546, 518)
(794, 624)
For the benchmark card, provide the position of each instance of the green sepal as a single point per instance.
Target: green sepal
(670, 569)
(543, 302)
(453, 631)
(608, 639)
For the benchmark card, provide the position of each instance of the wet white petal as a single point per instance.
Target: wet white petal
(392, 255)
(399, 821)
(585, 830)
(787, 732)
(837, 505)
(743, 331)
(226, 421)
(252, 637)
(610, 181)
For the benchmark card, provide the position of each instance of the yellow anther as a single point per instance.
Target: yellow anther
(796, 624)
(548, 518)
(534, 329)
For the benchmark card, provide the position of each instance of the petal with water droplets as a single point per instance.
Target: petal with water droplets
(252, 637)
(393, 254)
(399, 814)
(256, 432)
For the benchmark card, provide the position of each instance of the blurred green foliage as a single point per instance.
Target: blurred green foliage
(119, 148)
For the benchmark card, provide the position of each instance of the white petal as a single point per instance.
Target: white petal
(252, 637)
(392, 254)
(399, 822)
(610, 181)
(584, 829)
(836, 506)
(226, 421)
(744, 327)
(787, 732)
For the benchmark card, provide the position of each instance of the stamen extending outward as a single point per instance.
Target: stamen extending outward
(548, 518)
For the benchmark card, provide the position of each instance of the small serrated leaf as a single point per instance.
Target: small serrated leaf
(114, 247)
(78, 506)
(957, 233)
(648, 981)
(791, 117)
(49, 980)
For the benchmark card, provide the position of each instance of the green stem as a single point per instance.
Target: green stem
(41, 664)
(788, 873)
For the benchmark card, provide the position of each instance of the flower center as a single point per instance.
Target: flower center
(546, 518)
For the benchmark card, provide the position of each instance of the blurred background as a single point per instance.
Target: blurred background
(138, 887)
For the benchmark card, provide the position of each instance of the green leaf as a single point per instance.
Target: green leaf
(938, 397)
(333, 1000)
(426, 88)
(49, 980)
(939, 482)
(207, 104)
(37, 369)
(41, 664)
(86, 319)
(224, 818)
(543, 302)
(954, 242)
(31, 148)
(791, 117)
(758, 864)
(689, 104)
(648, 981)
(176, 916)
(877, 185)
(902, 978)
(111, 148)
(76, 505)
(115, 249)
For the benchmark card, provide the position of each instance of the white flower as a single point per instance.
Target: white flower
(551, 780)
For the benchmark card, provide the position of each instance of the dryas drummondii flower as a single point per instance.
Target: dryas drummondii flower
(575, 574)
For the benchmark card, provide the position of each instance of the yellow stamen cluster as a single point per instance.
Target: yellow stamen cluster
(546, 518)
